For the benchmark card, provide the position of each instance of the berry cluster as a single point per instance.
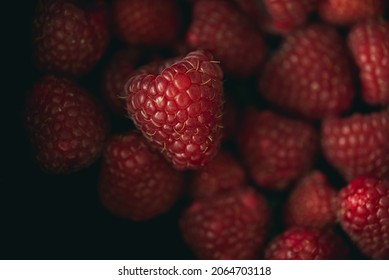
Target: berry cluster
(268, 120)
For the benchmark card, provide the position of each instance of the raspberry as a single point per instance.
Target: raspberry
(364, 215)
(136, 183)
(179, 109)
(66, 125)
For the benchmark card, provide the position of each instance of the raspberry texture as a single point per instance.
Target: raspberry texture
(300, 243)
(369, 43)
(179, 110)
(312, 203)
(287, 15)
(310, 74)
(231, 225)
(69, 39)
(65, 124)
(348, 12)
(358, 145)
(364, 215)
(147, 22)
(136, 183)
(275, 149)
(219, 27)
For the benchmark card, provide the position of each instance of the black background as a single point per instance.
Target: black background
(45, 216)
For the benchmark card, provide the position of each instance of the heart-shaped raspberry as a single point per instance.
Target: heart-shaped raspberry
(179, 109)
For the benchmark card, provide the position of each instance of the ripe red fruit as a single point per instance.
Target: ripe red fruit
(120, 68)
(147, 22)
(369, 43)
(358, 145)
(301, 243)
(276, 150)
(65, 124)
(364, 215)
(230, 225)
(287, 15)
(281, 16)
(179, 109)
(222, 174)
(310, 74)
(69, 38)
(312, 203)
(217, 26)
(136, 182)
(348, 12)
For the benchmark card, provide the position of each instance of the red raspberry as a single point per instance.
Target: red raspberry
(230, 225)
(223, 173)
(278, 16)
(276, 150)
(69, 38)
(137, 183)
(217, 26)
(66, 126)
(300, 243)
(312, 203)
(358, 145)
(179, 109)
(369, 43)
(122, 65)
(364, 215)
(287, 15)
(147, 22)
(310, 74)
(348, 12)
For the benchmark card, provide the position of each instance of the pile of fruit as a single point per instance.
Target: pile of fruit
(268, 120)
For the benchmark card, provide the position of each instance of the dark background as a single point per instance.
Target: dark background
(45, 216)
